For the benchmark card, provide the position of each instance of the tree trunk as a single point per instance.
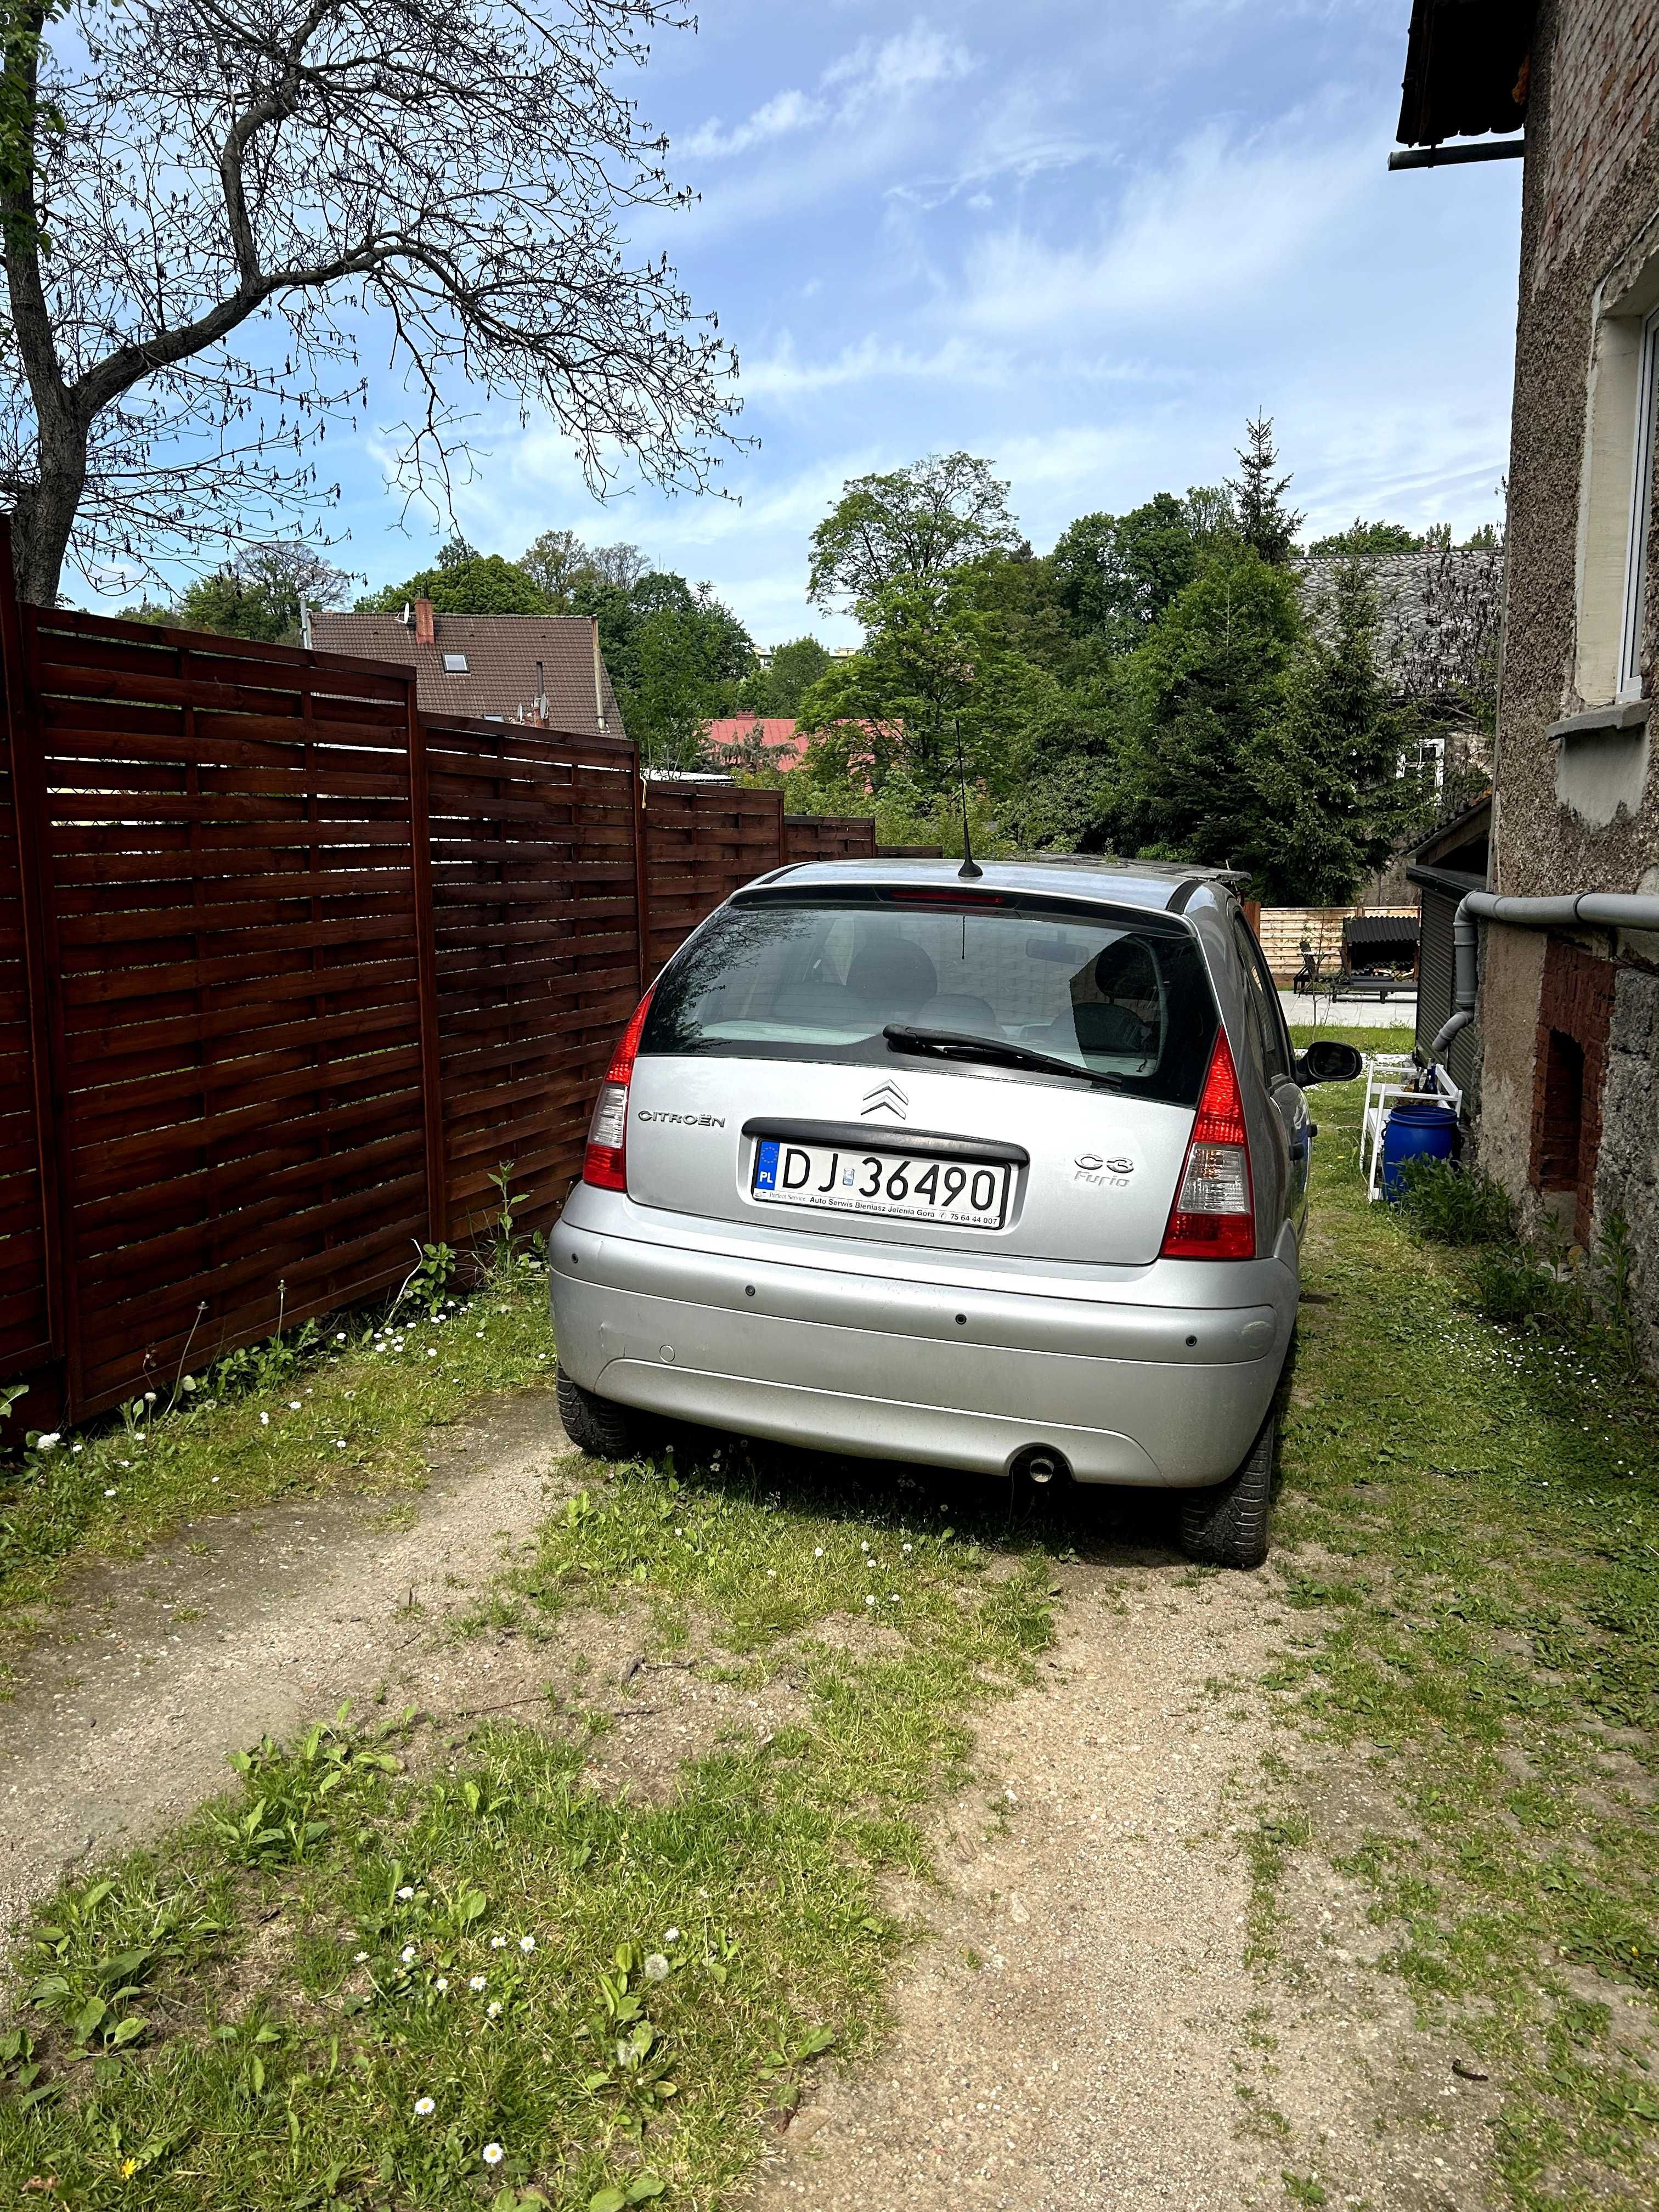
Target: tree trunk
(45, 515)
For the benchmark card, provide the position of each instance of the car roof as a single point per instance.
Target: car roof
(1155, 884)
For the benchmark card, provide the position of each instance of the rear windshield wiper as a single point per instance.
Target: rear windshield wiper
(962, 1044)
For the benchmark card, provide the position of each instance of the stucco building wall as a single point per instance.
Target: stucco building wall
(1582, 814)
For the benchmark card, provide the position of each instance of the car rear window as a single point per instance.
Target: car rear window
(1124, 995)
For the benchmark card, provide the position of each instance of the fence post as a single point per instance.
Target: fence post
(642, 874)
(29, 806)
(426, 976)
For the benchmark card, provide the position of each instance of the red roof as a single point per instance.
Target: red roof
(777, 733)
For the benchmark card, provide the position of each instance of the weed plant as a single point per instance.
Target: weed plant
(1451, 1203)
(374, 1976)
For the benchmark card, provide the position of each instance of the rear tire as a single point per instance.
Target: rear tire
(1227, 1526)
(595, 1426)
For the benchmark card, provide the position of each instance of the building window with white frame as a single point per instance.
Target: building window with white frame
(1641, 512)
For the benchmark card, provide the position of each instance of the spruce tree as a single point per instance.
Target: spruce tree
(1329, 798)
(1265, 523)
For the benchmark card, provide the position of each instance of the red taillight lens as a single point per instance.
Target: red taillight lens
(604, 1164)
(1213, 1217)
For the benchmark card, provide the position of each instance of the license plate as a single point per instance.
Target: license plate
(973, 1194)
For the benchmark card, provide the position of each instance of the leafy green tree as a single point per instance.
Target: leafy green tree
(560, 566)
(1266, 526)
(909, 526)
(1117, 573)
(777, 689)
(934, 677)
(466, 584)
(261, 595)
(1330, 799)
(1208, 681)
(1375, 539)
(676, 655)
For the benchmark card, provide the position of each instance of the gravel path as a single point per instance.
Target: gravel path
(1079, 2026)
(250, 1625)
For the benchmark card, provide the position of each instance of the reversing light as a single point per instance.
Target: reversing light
(1213, 1217)
(604, 1164)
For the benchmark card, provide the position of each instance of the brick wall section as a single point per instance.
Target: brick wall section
(1604, 99)
(1575, 1004)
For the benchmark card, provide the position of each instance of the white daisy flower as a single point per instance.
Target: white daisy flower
(358, 1957)
(498, 1943)
(294, 1407)
(526, 1943)
(904, 1548)
(408, 1954)
(671, 1935)
(493, 2010)
(406, 1892)
(817, 1550)
(425, 2105)
(869, 1601)
(109, 1493)
(265, 1421)
(477, 1982)
(50, 1441)
(442, 1984)
(492, 2153)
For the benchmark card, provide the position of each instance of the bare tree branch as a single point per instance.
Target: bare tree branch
(238, 193)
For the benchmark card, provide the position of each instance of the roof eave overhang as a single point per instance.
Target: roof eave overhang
(1468, 63)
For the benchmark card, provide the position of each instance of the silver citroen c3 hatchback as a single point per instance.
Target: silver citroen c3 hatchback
(1002, 1174)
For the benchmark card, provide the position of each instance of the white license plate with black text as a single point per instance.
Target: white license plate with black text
(972, 1193)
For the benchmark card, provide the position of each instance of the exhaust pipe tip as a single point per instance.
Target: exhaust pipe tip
(1042, 1465)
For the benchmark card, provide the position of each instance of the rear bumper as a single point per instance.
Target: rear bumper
(961, 1374)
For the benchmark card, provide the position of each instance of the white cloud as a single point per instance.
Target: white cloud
(913, 61)
(787, 111)
(1223, 220)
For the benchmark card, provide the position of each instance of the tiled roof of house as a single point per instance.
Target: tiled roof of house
(501, 652)
(777, 732)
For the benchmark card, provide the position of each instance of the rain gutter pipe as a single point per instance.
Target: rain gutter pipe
(1597, 909)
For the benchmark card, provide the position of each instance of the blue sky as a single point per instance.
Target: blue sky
(1084, 238)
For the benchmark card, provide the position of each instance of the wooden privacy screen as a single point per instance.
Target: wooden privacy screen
(287, 970)
(702, 841)
(539, 954)
(827, 837)
(236, 924)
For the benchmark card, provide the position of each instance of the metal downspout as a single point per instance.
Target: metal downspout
(1599, 910)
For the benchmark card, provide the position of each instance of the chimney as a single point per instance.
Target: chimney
(426, 631)
(541, 694)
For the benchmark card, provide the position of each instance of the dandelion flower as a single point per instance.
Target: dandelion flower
(526, 1943)
(477, 1982)
(149, 1397)
(492, 2153)
(425, 2105)
(671, 1935)
(406, 1892)
(493, 2010)
(409, 1954)
(656, 1967)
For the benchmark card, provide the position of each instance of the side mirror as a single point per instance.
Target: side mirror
(1327, 1061)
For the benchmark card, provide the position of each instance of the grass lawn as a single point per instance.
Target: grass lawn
(1470, 1531)
(345, 1404)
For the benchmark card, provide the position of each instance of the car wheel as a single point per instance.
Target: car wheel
(595, 1426)
(1227, 1526)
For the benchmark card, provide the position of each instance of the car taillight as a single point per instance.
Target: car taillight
(604, 1164)
(1213, 1217)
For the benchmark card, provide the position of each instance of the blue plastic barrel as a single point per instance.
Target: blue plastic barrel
(1418, 1128)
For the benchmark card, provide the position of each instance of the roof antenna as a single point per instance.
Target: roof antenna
(970, 869)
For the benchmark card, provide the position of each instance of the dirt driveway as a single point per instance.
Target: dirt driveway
(1078, 2025)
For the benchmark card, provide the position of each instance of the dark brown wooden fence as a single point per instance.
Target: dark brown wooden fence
(288, 969)
(828, 837)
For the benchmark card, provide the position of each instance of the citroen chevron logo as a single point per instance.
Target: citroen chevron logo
(887, 1099)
